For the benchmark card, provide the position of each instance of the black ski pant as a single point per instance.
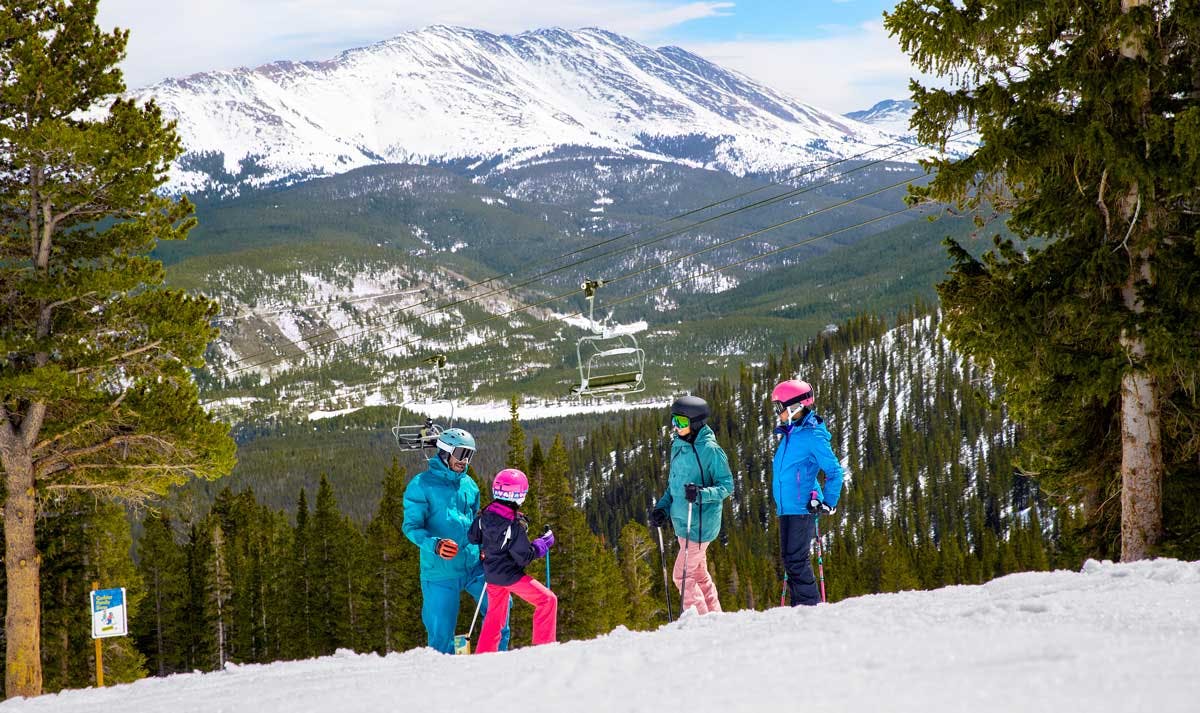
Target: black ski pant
(795, 544)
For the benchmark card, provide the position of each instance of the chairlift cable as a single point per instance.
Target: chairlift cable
(694, 276)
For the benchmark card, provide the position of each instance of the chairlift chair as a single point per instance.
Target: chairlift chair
(423, 437)
(610, 363)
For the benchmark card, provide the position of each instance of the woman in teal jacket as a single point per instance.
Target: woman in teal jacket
(698, 484)
(440, 503)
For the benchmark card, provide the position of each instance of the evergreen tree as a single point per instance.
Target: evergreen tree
(161, 566)
(393, 618)
(587, 579)
(95, 388)
(302, 635)
(1093, 326)
(637, 574)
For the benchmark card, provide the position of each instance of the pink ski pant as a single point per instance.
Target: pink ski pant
(701, 591)
(545, 612)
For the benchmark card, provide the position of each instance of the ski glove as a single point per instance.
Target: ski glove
(817, 507)
(658, 517)
(691, 491)
(446, 549)
(543, 544)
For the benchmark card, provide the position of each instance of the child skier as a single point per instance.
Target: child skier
(799, 499)
(505, 550)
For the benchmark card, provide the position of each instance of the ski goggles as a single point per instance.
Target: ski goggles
(781, 406)
(680, 421)
(459, 453)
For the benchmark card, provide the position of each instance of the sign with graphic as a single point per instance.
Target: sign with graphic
(108, 613)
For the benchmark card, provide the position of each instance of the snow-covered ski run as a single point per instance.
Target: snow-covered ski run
(1112, 637)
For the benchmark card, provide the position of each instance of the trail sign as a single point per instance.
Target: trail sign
(108, 613)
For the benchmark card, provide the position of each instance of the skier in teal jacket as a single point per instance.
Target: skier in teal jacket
(698, 484)
(440, 503)
(803, 450)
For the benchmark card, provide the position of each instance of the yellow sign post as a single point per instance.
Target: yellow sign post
(108, 619)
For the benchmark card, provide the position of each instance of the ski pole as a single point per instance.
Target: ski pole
(662, 558)
(686, 542)
(462, 644)
(820, 556)
(544, 531)
(783, 593)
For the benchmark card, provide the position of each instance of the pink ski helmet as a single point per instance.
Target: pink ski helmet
(510, 484)
(792, 395)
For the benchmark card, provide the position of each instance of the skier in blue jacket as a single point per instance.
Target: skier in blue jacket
(799, 498)
(440, 503)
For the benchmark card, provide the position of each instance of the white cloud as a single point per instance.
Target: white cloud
(176, 39)
(850, 69)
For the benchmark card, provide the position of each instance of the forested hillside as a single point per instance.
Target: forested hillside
(263, 572)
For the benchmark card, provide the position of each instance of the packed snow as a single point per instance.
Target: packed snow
(1111, 638)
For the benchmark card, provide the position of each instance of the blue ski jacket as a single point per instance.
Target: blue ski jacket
(441, 504)
(715, 481)
(803, 450)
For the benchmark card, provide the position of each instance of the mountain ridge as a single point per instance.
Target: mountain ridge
(447, 93)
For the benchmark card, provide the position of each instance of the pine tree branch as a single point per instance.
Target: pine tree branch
(123, 440)
(1103, 207)
(69, 300)
(133, 352)
(79, 427)
(78, 207)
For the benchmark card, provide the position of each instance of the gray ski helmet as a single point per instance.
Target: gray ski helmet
(694, 407)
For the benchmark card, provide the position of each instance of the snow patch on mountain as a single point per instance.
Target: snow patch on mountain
(450, 94)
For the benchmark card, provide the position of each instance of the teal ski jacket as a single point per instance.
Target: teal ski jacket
(803, 450)
(715, 481)
(441, 504)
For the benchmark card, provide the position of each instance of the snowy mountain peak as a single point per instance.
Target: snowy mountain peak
(891, 115)
(453, 94)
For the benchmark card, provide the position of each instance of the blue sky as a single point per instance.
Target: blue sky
(781, 19)
(830, 53)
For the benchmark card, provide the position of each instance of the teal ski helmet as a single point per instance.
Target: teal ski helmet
(455, 442)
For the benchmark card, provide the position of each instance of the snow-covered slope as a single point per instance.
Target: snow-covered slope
(890, 115)
(893, 116)
(1114, 638)
(448, 93)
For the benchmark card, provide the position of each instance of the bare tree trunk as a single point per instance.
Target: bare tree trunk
(1141, 440)
(22, 564)
(1141, 456)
